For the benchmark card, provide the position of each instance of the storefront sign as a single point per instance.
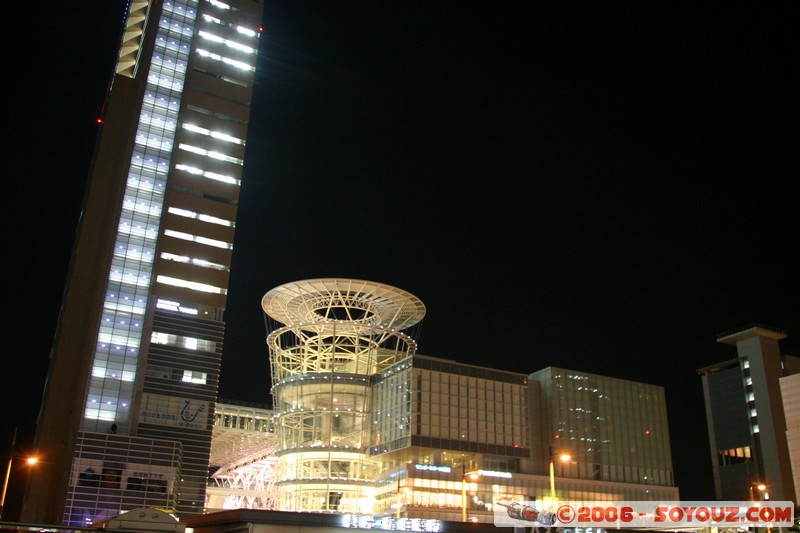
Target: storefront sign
(433, 468)
(493, 473)
(390, 523)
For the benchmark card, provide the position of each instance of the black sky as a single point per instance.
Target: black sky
(603, 188)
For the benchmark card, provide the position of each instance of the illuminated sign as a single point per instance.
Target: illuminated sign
(390, 523)
(433, 468)
(174, 306)
(492, 473)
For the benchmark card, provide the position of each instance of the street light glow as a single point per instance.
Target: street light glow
(564, 457)
(473, 476)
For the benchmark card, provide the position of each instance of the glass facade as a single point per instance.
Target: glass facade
(336, 336)
(471, 409)
(129, 280)
(614, 429)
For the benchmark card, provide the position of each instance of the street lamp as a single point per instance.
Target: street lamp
(464, 475)
(401, 497)
(29, 460)
(762, 492)
(563, 457)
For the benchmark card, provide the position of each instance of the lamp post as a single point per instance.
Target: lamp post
(8, 473)
(563, 457)
(30, 461)
(398, 503)
(464, 475)
(401, 497)
(761, 491)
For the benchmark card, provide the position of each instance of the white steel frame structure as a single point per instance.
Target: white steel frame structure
(247, 484)
(243, 449)
(336, 334)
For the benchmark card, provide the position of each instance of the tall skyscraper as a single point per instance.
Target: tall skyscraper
(746, 422)
(128, 404)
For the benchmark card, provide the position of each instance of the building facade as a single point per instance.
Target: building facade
(790, 392)
(365, 425)
(745, 415)
(614, 430)
(479, 436)
(128, 405)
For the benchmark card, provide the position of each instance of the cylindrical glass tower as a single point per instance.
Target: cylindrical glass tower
(335, 335)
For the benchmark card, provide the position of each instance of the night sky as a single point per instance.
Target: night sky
(602, 188)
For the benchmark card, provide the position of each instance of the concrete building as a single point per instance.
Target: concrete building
(126, 418)
(365, 425)
(790, 392)
(745, 414)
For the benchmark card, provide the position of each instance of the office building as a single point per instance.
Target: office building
(128, 405)
(746, 422)
(615, 430)
(365, 425)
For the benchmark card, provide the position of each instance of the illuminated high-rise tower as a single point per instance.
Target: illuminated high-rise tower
(127, 411)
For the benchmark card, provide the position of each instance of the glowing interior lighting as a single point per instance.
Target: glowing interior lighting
(215, 220)
(190, 170)
(196, 238)
(214, 155)
(193, 285)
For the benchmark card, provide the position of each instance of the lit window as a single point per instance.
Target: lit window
(205, 218)
(196, 238)
(190, 376)
(213, 155)
(210, 175)
(227, 42)
(193, 285)
(228, 61)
